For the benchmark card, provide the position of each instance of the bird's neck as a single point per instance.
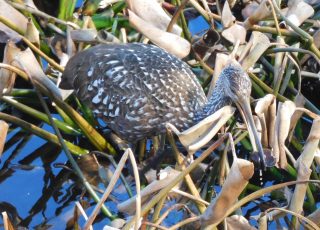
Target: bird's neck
(216, 101)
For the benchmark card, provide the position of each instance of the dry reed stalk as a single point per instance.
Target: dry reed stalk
(8, 77)
(299, 102)
(235, 33)
(108, 190)
(263, 222)
(83, 213)
(6, 222)
(303, 166)
(240, 173)
(315, 217)
(286, 110)
(3, 134)
(128, 205)
(238, 222)
(265, 110)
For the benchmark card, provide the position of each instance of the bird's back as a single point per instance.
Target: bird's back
(135, 88)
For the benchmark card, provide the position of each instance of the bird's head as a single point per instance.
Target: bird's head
(236, 82)
(237, 87)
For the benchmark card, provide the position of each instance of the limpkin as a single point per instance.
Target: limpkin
(137, 88)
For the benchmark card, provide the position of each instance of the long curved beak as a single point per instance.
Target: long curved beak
(244, 107)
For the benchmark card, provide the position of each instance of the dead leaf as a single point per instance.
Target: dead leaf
(241, 171)
(286, 110)
(234, 33)
(15, 17)
(152, 12)
(32, 33)
(267, 119)
(227, 18)
(28, 62)
(236, 222)
(172, 43)
(256, 46)
(200, 134)
(299, 11)
(260, 13)
(7, 78)
(3, 130)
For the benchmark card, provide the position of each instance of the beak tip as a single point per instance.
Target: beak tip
(259, 160)
(264, 159)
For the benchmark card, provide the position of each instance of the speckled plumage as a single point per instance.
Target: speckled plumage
(138, 88)
(135, 88)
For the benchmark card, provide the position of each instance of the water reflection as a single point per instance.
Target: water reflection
(36, 191)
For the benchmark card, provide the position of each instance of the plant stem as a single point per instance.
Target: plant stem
(271, 30)
(69, 156)
(42, 133)
(179, 178)
(39, 115)
(41, 14)
(11, 25)
(188, 179)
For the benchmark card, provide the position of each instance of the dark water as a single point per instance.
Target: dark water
(26, 173)
(36, 191)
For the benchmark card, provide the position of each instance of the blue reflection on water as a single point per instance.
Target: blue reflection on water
(198, 26)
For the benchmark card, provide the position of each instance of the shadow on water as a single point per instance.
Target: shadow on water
(38, 190)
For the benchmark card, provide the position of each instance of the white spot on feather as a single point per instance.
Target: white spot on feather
(118, 77)
(90, 72)
(109, 72)
(130, 118)
(122, 84)
(95, 83)
(169, 115)
(162, 81)
(105, 100)
(96, 99)
(117, 68)
(136, 104)
(112, 62)
(116, 112)
(149, 86)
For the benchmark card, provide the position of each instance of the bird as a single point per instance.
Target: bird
(137, 88)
